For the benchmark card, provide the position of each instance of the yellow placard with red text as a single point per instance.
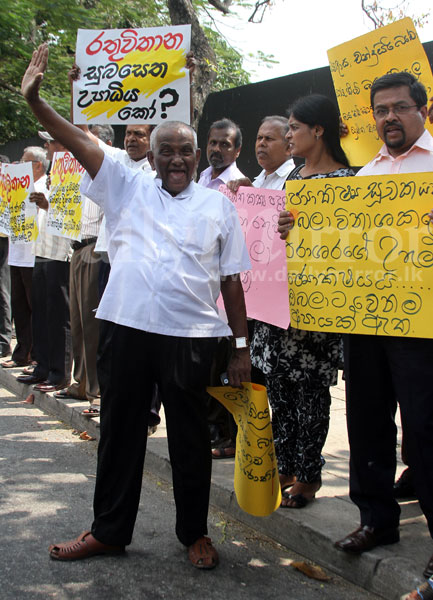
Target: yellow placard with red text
(360, 257)
(356, 64)
(17, 184)
(66, 203)
(4, 204)
(256, 480)
(132, 75)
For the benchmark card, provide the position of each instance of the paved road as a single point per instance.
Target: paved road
(47, 479)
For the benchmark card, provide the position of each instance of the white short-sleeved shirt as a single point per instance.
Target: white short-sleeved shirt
(167, 253)
(122, 156)
(275, 180)
(230, 173)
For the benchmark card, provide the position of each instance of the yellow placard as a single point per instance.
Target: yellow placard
(4, 204)
(65, 211)
(355, 65)
(256, 483)
(360, 257)
(18, 184)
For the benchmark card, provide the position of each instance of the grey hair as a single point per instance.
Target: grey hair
(39, 154)
(104, 132)
(169, 125)
(282, 121)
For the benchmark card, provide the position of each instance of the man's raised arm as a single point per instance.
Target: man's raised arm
(75, 140)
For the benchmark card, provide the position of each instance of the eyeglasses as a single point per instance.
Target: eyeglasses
(24, 161)
(399, 109)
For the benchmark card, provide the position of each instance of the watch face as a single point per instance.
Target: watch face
(241, 342)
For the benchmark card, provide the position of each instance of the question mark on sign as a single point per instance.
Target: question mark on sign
(173, 101)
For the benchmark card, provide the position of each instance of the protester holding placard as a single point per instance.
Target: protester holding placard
(50, 294)
(385, 370)
(21, 261)
(301, 365)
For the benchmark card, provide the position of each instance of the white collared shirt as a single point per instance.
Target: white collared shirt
(277, 179)
(167, 253)
(122, 156)
(418, 159)
(230, 173)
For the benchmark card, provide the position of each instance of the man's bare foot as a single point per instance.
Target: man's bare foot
(30, 399)
(300, 494)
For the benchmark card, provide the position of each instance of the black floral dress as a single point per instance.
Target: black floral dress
(299, 367)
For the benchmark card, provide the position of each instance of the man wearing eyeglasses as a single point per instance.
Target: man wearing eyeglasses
(382, 371)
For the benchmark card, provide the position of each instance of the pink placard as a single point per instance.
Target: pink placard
(265, 286)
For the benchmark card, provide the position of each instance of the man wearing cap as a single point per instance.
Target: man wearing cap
(84, 299)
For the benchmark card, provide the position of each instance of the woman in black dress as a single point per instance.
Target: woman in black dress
(299, 365)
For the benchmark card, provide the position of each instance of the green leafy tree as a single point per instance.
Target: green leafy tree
(26, 23)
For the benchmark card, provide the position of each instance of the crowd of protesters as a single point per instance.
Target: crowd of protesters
(168, 247)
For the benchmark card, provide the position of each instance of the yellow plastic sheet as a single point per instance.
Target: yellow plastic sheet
(256, 483)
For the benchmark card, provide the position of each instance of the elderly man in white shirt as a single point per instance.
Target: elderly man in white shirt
(21, 260)
(50, 293)
(174, 246)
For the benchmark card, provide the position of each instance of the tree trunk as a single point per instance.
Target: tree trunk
(182, 13)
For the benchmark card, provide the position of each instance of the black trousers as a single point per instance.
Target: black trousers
(5, 297)
(51, 322)
(381, 372)
(21, 300)
(130, 363)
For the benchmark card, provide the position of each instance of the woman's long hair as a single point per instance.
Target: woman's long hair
(317, 109)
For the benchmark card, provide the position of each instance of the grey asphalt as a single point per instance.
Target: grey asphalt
(386, 572)
(46, 482)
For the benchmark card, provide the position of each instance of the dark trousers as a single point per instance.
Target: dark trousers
(21, 298)
(51, 321)
(381, 372)
(5, 297)
(84, 299)
(130, 363)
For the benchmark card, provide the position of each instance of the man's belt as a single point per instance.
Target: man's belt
(77, 245)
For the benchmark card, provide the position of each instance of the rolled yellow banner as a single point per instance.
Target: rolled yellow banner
(256, 482)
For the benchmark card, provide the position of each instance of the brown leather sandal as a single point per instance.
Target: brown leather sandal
(227, 452)
(202, 554)
(84, 546)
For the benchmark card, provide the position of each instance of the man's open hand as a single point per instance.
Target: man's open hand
(35, 73)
